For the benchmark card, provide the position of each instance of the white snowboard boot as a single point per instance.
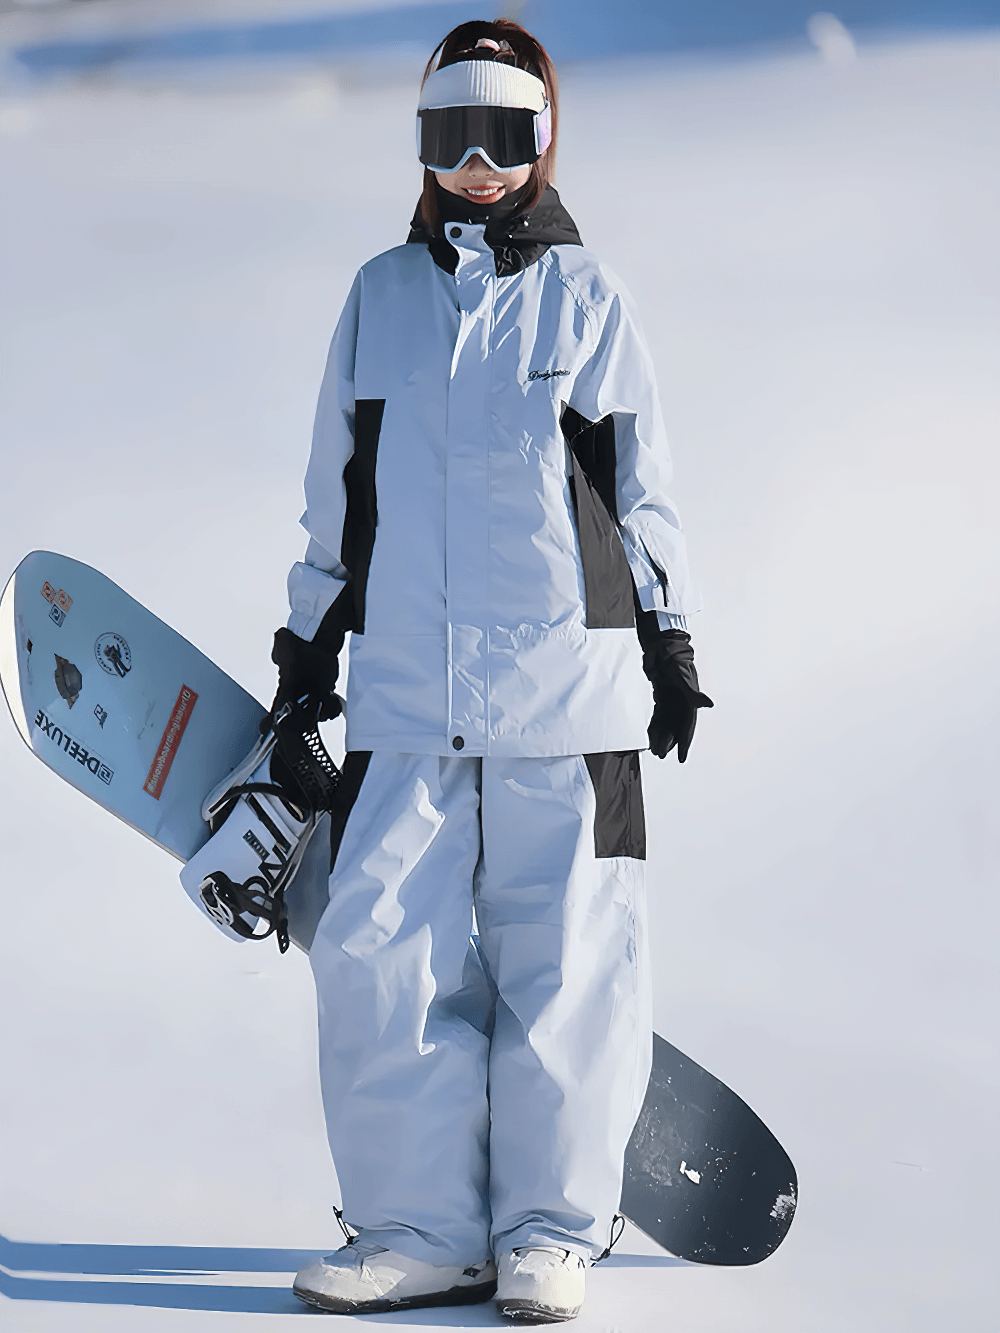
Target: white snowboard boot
(362, 1278)
(540, 1286)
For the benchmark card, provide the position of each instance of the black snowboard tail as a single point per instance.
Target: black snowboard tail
(704, 1176)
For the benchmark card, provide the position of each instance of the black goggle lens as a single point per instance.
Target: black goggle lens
(506, 134)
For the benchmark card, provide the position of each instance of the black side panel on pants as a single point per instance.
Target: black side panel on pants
(606, 576)
(620, 823)
(351, 777)
(361, 514)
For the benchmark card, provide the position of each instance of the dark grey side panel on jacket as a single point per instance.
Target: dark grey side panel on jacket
(620, 823)
(361, 514)
(606, 576)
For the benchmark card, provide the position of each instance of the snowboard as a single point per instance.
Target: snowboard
(123, 708)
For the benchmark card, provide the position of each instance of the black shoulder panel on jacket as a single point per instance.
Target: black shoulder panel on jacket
(361, 515)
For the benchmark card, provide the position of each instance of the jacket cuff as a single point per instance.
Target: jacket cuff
(311, 593)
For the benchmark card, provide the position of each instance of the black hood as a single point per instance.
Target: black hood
(517, 238)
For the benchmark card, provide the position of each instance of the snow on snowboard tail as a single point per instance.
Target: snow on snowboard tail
(127, 711)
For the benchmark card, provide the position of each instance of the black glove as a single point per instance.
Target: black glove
(308, 669)
(668, 661)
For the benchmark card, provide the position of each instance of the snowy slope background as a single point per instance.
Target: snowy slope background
(810, 236)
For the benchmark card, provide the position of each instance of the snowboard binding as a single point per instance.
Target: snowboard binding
(262, 816)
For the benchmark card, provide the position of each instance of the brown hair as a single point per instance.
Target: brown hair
(523, 51)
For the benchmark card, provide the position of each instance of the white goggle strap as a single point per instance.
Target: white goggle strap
(447, 171)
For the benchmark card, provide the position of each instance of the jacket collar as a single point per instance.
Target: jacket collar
(516, 238)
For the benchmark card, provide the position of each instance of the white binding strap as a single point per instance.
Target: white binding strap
(482, 83)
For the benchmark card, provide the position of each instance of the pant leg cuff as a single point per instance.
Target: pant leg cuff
(427, 1249)
(535, 1236)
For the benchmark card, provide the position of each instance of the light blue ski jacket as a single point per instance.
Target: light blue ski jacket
(488, 472)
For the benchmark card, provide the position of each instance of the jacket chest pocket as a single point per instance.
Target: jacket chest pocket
(607, 579)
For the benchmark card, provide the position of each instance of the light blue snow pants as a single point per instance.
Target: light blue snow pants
(478, 1101)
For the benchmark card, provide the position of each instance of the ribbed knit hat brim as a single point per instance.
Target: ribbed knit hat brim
(482, 83)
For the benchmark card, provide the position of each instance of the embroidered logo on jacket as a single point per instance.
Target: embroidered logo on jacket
(545, 374)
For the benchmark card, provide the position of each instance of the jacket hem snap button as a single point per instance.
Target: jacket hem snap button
(458, 743)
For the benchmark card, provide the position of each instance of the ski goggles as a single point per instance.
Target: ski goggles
(483, 107)
(504, 137)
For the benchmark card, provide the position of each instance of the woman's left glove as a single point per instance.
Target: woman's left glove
(668, 661)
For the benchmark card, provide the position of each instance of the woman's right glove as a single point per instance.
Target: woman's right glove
(307, 669)
(668, 661)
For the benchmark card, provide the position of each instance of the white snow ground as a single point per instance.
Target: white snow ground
(813, 248)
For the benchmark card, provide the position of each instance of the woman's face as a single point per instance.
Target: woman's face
(482, 184)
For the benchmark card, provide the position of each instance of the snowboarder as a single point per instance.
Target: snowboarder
(487, 517)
